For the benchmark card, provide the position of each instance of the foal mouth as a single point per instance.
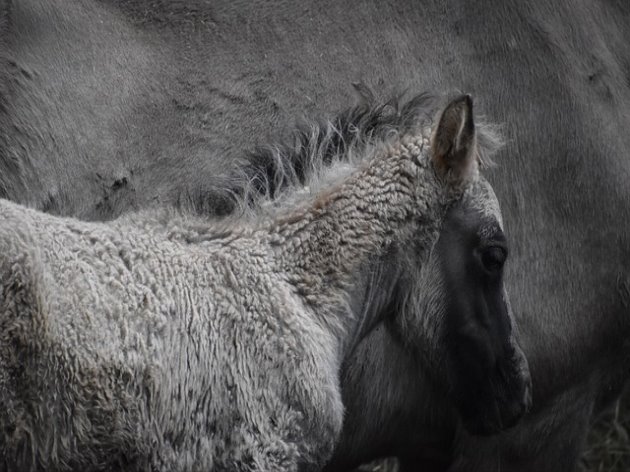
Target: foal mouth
(507, 399)
(496, 419)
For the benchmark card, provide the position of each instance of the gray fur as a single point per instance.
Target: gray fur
(110, 106)
(188, 345)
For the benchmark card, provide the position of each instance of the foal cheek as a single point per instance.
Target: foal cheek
(474, 332)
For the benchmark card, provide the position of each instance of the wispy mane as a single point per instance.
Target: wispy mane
(315, 147)
(318, 152)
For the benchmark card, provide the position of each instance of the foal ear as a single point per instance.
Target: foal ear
(453, 141)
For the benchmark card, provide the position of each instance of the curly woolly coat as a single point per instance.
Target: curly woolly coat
(135, 345)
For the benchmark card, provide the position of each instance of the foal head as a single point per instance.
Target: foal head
(445, 301)
(454, 310)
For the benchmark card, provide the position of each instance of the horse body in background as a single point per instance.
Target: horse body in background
(110, 106)
(168, 342)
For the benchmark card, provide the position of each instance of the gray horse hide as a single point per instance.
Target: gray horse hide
(114, 105)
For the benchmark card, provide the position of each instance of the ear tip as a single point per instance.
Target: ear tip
(465, 99)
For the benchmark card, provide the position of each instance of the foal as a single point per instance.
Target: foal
(182, 345)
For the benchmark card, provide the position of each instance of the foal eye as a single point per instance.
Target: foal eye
(493, 258)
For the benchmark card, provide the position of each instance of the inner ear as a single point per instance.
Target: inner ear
(453, 141)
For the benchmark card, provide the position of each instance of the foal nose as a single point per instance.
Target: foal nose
(519, 389)
(516, 409)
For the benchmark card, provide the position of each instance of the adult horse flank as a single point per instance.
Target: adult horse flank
(166, 342)
(110, 106)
